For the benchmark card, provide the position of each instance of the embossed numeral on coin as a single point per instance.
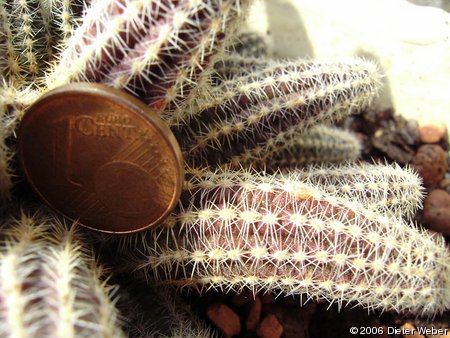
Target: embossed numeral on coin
(62, 152)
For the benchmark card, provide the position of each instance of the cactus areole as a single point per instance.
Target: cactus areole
(102, 157)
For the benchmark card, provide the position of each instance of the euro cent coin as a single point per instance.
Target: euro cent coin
(101, 157)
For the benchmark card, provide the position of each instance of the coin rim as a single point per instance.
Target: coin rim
(122, 99)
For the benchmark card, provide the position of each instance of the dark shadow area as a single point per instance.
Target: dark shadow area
(284, 18)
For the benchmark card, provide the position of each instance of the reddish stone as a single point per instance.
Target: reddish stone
(444, 184)
(436, 211)
(432, 133)
(431, 163)
(254, 315)
(270, 327)
(225, 319)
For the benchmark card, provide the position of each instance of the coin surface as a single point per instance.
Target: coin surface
(101, 157)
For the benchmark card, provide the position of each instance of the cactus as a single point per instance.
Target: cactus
(65, 15)
(13, 103)
(246, 53)
(319, 144)
(156, 312)
(30, 37)
(382, 188)
(49, 287)
(318, 243)
(237, 230)
(155, 50)
(239, 115)
(250, 44)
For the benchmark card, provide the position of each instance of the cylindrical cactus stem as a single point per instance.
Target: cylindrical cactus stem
(108, 31)
(244, 112)
(29, 37)
(13, 103)
(9, 57)
(155, 312)
(250, 44)
(293, 148)
(382, 188)
(247, 53)
(29, 30)
(155, 49)
(65, 14)
(49, 286)
(247, 230)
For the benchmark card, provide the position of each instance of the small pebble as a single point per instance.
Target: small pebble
(270, 327)
(225, 319)
(408, 327)
(436, 211)
(444, 184)
(254, 315)
(432, 132)
(431, 163)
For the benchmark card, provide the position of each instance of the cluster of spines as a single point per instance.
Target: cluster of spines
(65, 17)
(242, 113)
(294, 148)
(13, 103)
(30, 37)
(387, 189)
(156, 50)
(49, 285)
(155, 312)
(236, 230)
(249, 44)
(25, 57)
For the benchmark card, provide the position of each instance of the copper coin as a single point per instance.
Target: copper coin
(101, 157)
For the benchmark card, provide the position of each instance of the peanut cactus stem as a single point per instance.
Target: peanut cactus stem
(65, 17)
(108, 30)
(167, 62)
(50, 286)
(9, 55)
(27, 36)
(382, 188)
(155, 312)
(246, 111)
(12, 107)
(154, 49)
(294, 148)
(238, 230)
(251, 45)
